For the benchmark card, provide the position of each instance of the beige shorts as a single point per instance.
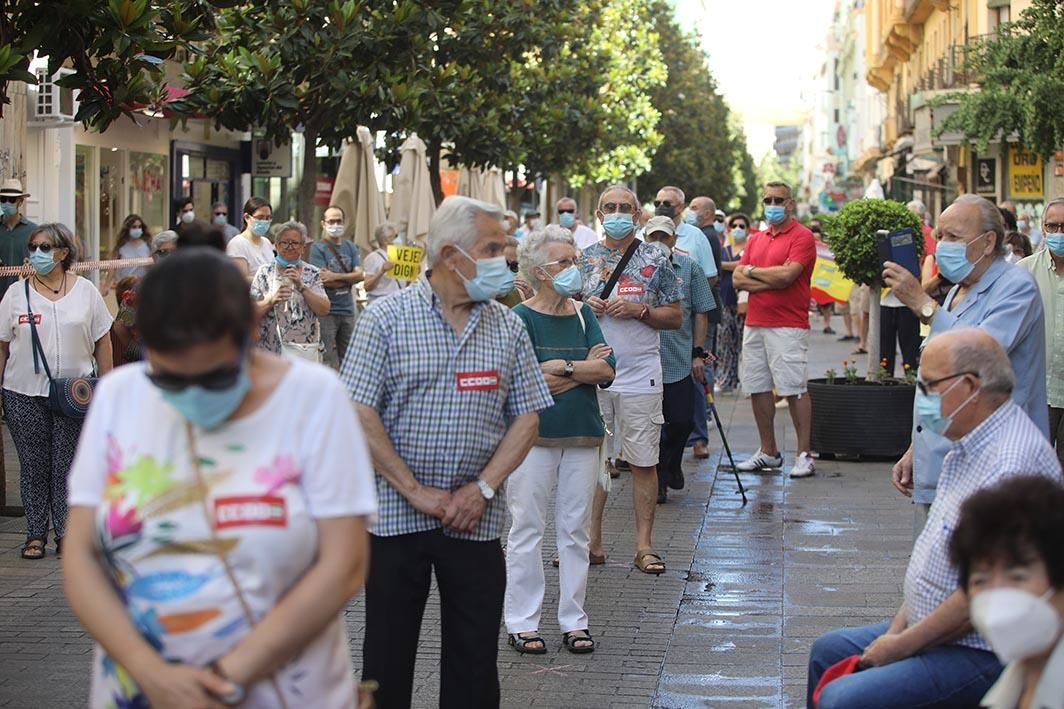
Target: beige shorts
(634, 420)
(857, 303)
(775, 358)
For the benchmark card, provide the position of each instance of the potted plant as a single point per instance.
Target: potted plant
(868, 416)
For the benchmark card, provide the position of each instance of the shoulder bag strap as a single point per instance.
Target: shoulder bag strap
(579, 315)
(38, 349)
(619, 271)
(336, 253)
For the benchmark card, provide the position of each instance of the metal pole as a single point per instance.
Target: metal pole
(727, 448)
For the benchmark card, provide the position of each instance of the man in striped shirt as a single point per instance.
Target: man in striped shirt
(928, 654)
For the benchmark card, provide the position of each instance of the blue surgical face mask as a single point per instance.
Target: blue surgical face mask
(260, 227)
(221, 219)
(1055, 244)
(8, 208)
(285, 263)
(206, 408)
(568, 281)
(136, 233)
(952, 258)
(929, 409)
(566, 219)
(494, 278)
(775, 213)
(691, 218)
(738, 234)
(719, 226)
(42, 262)
(617, 226)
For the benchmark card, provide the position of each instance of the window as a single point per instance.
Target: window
(147, 189)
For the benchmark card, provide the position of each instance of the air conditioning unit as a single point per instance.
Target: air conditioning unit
(53, 103)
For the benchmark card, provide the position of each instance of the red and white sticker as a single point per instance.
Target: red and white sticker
(24, 319)
(250, 511)
(488, 380)
(630, 289)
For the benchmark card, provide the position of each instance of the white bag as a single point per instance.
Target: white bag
(310, 351)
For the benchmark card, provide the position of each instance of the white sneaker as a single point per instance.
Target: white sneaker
(803, 466)
(760, 461)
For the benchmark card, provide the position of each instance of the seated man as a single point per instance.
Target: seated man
(928, 654)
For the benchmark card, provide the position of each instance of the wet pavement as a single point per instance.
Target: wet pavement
(730, 623)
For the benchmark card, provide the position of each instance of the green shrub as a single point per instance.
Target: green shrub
(851, 234)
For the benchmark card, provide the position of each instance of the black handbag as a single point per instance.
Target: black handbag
(67, 396)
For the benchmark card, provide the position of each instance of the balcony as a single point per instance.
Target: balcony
(903, 122)
(917, 11)
(951, 71)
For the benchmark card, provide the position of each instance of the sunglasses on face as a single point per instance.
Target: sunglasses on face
(221, 214)
(163, 253)
(719, 220)
(612, 207)
(9, 200)
(43, 248)
(512, 265)
(215, 380)
(662, 203)
(774, 200)
(566, 211)
(738, 225)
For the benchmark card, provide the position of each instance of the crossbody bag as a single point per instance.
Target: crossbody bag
(67, 396)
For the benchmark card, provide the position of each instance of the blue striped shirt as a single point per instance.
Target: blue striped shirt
(1007, 444)
(446, 401)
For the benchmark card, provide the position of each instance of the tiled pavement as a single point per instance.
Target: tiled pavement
(747, 590)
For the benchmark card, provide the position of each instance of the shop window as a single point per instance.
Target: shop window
(147, 189)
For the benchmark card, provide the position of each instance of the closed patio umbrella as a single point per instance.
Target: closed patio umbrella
(493, 187)
(356, 191)
(413, 203)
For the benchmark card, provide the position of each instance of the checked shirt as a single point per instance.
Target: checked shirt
(1005, 445)
(446, 401)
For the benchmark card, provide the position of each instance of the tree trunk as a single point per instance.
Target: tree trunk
(434, 147)
(515, 195)
(309, 184)
(874, 339)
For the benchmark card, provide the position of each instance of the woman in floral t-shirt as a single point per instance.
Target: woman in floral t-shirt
(218, 511)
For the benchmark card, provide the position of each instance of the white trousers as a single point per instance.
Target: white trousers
(575, 470)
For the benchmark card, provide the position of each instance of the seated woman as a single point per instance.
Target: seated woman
(1007, 548)
(218, 506)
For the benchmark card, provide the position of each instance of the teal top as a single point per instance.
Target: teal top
(574, 420)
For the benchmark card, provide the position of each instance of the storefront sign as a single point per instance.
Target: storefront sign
(323, 189)
(1025, 175)
(986, 175)
(407, 260)
(268, 160)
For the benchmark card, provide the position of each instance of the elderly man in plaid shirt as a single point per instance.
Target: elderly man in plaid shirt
(447, 388)
(928, 655)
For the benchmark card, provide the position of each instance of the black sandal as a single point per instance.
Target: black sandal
(578, 636)
(33, 549)
(520, 643)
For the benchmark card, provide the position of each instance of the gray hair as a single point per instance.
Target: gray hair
(455, 223)
(677, 191)
(1051, 203)
(989, 219)
(163, 238)
(917, 207)
(619, 187)
(975, 351)
(219, 204)
(532, 251)
(292, 226)
(60, 237)
(784, 185)
(511, 214)
(383, 231)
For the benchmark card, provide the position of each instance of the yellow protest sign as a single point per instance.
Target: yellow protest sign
(407, 260)
(828, 279)
(1025, 175)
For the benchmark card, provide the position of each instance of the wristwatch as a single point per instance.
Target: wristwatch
(698, 353)
(644, 313)
(236, 695)
(486, 490)
(569, 368)
(748, 270)
(927, 311)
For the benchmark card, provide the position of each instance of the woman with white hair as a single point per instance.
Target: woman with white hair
(164, 244)
(290, 298)
(574, 358)
(378, 283)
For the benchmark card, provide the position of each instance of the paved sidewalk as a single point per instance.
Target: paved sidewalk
(730, 623)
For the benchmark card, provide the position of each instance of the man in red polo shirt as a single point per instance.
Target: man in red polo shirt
(775, 270)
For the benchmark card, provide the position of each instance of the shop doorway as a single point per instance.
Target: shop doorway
(208, 174)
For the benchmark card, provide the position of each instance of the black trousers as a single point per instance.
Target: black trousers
(472, 580)
(677, 406)
(901, 326)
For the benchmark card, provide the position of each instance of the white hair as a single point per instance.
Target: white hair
(384, 231)
(163, 237)
(532, 251)
(1049, 205)
(292, 226)
(917, 207)
(990, 219)
(455, 223)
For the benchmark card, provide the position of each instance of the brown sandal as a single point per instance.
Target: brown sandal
(33, 549)
(649, 563)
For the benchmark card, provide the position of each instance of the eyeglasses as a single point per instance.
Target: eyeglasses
(774, 200)
(719, 220)
(512, 265)
(43, 248)
(925, 387)
(290, 244)
(221, 214)
(215, 380)
(1053, 228)
(566, 211)
(564, 263)
(334, 222)
(613, 207)
(163, 253)
(9, 200)
(662, 203)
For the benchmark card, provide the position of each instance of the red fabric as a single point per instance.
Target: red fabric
(839, 669)
(930, 244)
(787, 307)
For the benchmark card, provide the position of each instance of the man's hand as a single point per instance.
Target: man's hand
(698, 370)
(181, 687)
(902, 474)
(597, 305)
(905, 286)
(330, 278)
(885, 650)
(465, 508)
(598, 351)
(430, 500)
(622, 309)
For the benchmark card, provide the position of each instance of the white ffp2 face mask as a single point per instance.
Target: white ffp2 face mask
(1016, 623)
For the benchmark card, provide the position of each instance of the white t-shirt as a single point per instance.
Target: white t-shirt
(584, 236)
(373, 265)
(299, 457)
(241, 247)
(68, 328)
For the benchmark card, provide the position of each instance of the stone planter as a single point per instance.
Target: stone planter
(861, 420)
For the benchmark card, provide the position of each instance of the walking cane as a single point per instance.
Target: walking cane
(720, 427)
